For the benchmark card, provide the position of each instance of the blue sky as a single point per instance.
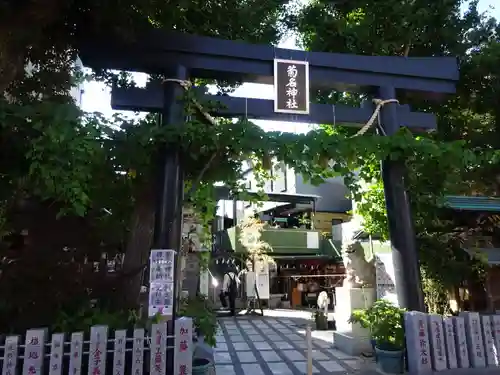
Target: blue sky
(96, 96)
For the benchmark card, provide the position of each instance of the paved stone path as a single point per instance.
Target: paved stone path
(265, 346)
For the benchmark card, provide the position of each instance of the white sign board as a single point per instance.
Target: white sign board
(138, 352)
(34, 352)
(474, 336)
(119, 352)
(312, 240)
(250, 284)
(262, 277)
(495, 330)
(461, 342)
(76, 351)
(489, 343)
(158, 355)
(417, 342)
(56, 354)
(183, 359)
(161, 282)
(436, 338)
(451, 348)
(384, 271)
(11, 346)
(98, 350)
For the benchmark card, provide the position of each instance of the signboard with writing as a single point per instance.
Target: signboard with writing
(11, 346)
(461, 342)
(161, 266)
(138, 352)
(34, 352)
(291, 86)
(495, 330)
(437, 342)
(417, 342)
(158, 357)
(161, 298)
(183, 359)
(97, 350)
(451, 348)
(76, 350)
(489, 343)
(161, 282)
(262, 277)
(474, 335)
(119, 352)
(56, 354)
(250, 284)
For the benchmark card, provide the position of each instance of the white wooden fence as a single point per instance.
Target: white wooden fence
(101, 353)
(439, 343)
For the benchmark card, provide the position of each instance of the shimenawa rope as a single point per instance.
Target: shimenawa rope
(379, 104)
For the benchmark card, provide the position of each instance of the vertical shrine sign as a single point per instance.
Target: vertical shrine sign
(291, 86)
(161, 282)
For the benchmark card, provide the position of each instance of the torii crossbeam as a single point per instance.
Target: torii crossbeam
(150, 99)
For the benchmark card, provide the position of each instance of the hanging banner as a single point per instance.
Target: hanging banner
(291, 86)
(161, 282)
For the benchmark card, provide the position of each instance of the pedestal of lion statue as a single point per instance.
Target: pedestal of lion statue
(357, 292)
(350, 338)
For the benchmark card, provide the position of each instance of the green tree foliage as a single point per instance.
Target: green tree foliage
(93, 173)
(418, 28)
(97, 174)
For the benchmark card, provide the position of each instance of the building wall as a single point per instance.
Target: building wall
(323, 220)
(333, 193)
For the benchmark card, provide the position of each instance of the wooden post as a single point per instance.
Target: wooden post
(309, 351)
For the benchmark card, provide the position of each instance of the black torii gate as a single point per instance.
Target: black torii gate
(182, 56)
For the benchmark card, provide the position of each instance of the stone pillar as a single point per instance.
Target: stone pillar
(352, 338)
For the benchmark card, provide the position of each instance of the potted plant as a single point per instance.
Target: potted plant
(321, 320)
(385, 322)
(364, 318)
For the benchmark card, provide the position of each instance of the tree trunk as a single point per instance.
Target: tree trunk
(138, 244)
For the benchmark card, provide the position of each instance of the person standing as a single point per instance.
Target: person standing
(230, 287)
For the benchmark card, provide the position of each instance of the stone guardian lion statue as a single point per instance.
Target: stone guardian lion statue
(359, 272)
